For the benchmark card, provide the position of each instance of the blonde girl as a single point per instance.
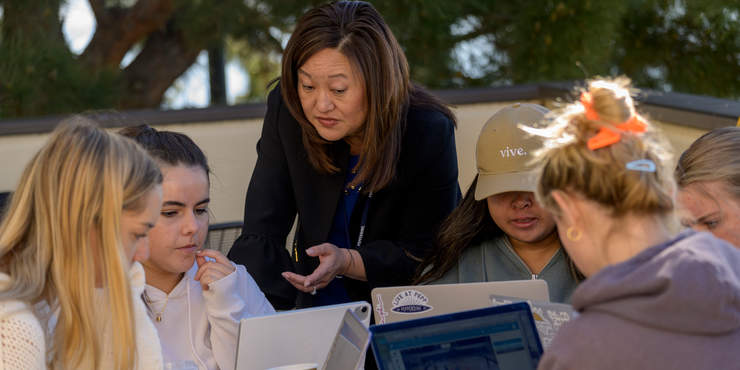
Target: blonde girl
(708, 176)
(79, 216)
(653, 298)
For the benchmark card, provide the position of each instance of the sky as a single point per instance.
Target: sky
(190, 90)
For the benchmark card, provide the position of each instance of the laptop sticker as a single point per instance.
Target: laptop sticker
(380, 309)
(548, 317)
(410, 301)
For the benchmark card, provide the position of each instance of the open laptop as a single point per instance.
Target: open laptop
(298, 336)
(548, 316)
(500, 337)
(350, 343)
(393, 304)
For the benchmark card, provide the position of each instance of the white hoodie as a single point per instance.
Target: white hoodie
(202, 326)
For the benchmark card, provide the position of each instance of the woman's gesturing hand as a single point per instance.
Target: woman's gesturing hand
(333, 261)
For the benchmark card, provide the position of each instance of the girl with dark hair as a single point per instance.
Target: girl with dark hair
(363, 157)
(499, 231)
(195, 296)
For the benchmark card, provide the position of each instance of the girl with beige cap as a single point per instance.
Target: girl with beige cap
(499, 231)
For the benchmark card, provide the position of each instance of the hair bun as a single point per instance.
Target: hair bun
(593, 146)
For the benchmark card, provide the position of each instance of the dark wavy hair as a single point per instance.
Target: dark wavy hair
(469, 224)
(359, 32)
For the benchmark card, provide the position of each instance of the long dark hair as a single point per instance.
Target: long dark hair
(469, 224)
(359, 32)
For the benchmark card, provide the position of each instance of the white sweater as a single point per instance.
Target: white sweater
(148, 350)
(200, 326)
(22, 344)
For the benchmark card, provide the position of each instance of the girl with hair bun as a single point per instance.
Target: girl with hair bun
(653, 298)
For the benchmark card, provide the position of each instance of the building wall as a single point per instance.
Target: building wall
(231, 150)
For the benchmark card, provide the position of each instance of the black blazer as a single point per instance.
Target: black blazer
(402, 218)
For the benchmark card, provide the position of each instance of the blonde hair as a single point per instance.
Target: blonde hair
(75, 187)
(601, 175)
(715, 156)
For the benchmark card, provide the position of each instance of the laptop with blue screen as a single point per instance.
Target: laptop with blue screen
(501, 337)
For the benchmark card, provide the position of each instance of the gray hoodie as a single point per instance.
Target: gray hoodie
(673, 306)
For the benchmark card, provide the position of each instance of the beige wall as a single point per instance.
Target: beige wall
(231, 150)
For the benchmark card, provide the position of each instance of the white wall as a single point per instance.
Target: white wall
(231, 150)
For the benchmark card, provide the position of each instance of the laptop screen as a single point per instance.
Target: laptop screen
(502, 337)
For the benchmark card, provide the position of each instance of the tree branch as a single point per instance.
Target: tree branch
(165, 56)
(98, 9)
(119, 29)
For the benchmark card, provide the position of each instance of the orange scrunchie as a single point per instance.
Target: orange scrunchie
(606, 136)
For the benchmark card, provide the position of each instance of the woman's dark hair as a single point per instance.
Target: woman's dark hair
(167, 147)
(469, 224)
(359, 32)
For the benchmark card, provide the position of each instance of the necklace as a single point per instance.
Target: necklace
(352, 188)
(157, 315)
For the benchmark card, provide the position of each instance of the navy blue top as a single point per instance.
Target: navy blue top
(335, 292)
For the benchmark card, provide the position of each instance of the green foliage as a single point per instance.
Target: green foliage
(688, 46)
(38, 74)
(261, 66)
(563, 40)
(423, 28)
(46, 80)
(695, 49)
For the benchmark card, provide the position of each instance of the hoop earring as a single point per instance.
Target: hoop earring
(573, 234)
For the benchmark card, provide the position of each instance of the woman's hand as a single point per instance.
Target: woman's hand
(211, 270)
(333, 261)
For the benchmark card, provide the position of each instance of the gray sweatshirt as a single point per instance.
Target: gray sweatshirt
(672, 306)
(495, 260)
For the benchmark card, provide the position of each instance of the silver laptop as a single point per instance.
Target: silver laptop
(548, 316)
(350, 344)
(300, 336)
(393, 304)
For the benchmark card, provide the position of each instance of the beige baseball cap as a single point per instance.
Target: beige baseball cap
(504, 151)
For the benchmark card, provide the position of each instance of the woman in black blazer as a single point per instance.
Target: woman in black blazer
(365, 159)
